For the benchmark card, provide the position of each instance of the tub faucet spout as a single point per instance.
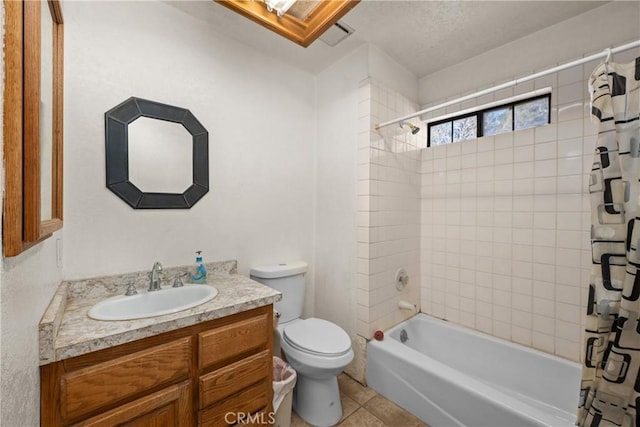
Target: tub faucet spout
(404, 305)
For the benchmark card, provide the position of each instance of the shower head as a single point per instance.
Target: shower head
(414, 129)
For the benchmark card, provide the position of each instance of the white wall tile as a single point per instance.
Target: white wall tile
(520, 284)
(503, 156)
(503, 141)
(570, 129)
(571, 75)
(389, 228)
(523, 137)
(570, 166)
(546, 133)
(570, 184)
(505, 236)
(543, 342)
(546, 150)
(545, 168)
(571, 111)
(571, 147)
(485, 144)
(571, 93)
(523, 154)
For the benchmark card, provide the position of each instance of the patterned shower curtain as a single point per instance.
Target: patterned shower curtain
(610, 389)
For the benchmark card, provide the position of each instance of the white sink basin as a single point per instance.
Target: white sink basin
(151, 304)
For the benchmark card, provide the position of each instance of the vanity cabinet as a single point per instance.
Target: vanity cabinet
(209, 374)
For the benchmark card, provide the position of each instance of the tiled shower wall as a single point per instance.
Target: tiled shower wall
(506, 219)
(388, 222)
(503, 220)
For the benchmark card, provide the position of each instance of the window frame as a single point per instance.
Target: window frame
(480, 117)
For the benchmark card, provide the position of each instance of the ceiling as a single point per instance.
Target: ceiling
(424, 36)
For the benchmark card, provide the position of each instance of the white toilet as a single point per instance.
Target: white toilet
(317, 349)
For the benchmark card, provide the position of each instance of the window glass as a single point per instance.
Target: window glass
(465, 128)
(507, 117)
(531, 114)
(440, 134)
(497, 121)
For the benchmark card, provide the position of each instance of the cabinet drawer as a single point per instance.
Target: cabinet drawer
(225, 342)
(248, 401)
(168, 407)
(232, 378)
(87, 389)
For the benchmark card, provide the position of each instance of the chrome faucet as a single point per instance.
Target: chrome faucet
(154, 285)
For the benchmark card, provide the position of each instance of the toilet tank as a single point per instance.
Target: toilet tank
(287, 278)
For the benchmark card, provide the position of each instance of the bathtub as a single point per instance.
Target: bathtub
(448, 375)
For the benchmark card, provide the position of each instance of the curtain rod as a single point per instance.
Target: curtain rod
(607, 52)
(512, 99)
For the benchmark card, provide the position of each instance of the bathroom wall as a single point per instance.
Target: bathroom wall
(506, 219)
(342, 117)
(27, 283)
(283, 143)
(278, 136)
(388, 208)
(260, 114)
(335, 176)
(339, 122)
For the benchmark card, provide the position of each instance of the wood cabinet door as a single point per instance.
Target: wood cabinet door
(88, 390)
(169, 407)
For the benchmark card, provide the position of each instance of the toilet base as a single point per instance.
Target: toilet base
(317, 401)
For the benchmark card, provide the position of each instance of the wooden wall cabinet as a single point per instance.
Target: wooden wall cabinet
(32, 122)
(208, 375)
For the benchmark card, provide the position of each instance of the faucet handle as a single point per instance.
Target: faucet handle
(131, 289)
(177, 283)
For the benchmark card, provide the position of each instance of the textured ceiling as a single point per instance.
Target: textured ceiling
(423, 36)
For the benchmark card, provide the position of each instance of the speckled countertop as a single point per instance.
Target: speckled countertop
(67, 331)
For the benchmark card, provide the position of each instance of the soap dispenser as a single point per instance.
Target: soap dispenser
(200, 273)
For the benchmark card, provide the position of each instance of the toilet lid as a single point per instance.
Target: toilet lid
(318, 336)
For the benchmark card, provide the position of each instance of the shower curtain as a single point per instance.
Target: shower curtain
(610, 389)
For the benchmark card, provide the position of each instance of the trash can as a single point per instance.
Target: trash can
(284, 379)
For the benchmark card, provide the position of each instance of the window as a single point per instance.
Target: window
(440, 134)
(531, 114)
(518, 115)
(498, 120)
(465, 128)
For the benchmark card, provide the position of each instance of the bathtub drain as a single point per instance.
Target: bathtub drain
(403, 336)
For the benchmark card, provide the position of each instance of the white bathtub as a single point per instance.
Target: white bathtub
(449, 375)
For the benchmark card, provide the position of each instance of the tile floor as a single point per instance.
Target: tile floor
(363, 407)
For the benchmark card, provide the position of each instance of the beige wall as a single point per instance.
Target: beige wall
(260, 115)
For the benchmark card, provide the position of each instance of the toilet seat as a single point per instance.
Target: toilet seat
(317, 337)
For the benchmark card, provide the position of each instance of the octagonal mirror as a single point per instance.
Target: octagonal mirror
(157, 155)
(160, 155)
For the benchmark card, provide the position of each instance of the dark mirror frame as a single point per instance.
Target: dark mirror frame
(117, 121)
